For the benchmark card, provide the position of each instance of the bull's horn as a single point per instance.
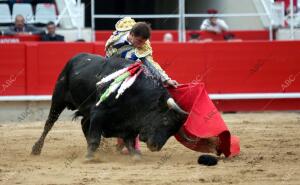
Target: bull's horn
(173, 105)
(184, 136)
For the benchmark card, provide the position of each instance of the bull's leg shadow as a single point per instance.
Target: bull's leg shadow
(130, 145)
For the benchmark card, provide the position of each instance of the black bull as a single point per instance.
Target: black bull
(145, 109)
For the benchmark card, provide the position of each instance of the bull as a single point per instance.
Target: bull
(145, 109)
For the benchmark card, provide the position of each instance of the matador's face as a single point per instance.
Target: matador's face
(137, 42)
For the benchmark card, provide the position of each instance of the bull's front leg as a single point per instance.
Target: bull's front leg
(93, 137)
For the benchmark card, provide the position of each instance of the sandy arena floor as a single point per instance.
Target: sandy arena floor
(270, 155)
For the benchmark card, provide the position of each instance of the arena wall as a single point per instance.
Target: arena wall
(225, 67)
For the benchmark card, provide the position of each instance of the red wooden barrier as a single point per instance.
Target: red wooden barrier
(158, 35)
(252, 34)
(234, 67)
(13, 69)
(103, 35)
(52, 58)
(243, 67)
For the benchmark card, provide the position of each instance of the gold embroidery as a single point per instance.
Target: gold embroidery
(125, 24)
(144, 51)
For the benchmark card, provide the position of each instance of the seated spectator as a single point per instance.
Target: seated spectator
(21, 28)
(80, 40)
(214, 24)
(51, 35)
(230, 37)
(194, 37)
(168, 37)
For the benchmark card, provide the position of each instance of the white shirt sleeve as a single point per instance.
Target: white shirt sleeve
(205, 24)
(222, 24)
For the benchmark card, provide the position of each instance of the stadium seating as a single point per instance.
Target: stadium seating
(5, 15)
(45, 13)
(24, 9)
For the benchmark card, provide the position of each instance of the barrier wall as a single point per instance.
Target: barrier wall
(158, 35)
(235, 67)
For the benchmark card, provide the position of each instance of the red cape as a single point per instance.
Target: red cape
(204, 120)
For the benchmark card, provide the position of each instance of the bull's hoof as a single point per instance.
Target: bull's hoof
(35, 152)
(90, 158)
(136, 157)
(36, 149)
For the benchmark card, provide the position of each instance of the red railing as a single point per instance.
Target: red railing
(158, 35)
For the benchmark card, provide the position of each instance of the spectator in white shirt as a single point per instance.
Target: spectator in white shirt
(214, 24)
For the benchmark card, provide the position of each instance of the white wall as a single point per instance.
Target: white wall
(71, 35)
(27, 111)
(285, 34)
(225, 6)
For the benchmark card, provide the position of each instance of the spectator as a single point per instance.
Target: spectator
(80, 40)
(230, 37)
(194, 37)
(213, 24)
(21, 28)
(168, 37)
(51, 35)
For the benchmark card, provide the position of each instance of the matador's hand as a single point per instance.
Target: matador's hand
(172, 83)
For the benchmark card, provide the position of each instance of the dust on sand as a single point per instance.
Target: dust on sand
(270, 155)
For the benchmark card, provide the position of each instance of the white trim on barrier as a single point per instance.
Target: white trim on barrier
(231, 96)
(26, 98)
(254, 96)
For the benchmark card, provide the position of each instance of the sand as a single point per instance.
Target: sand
(270, 155)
